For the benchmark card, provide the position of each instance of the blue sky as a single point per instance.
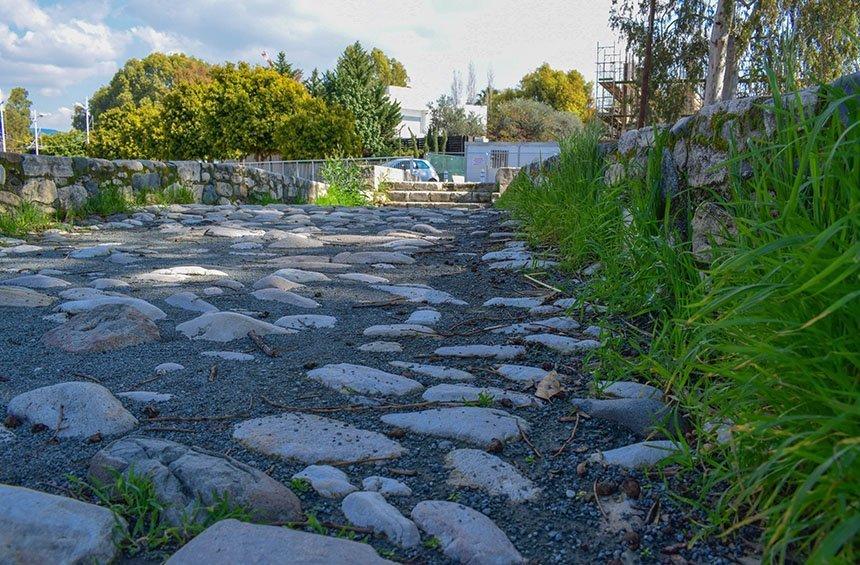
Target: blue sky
(62, 51)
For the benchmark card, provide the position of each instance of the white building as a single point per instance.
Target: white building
(483, 159)
(415, 115)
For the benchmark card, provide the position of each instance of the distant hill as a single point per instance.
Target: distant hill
(45, 131)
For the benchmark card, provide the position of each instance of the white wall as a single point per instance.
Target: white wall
(483, 159)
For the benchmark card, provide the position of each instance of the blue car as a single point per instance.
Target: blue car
(418, 169)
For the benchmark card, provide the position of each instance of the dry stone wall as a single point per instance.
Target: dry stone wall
(64, 183)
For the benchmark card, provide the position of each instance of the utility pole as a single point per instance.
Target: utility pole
(36, 117)
(646, 68)
(2, 123)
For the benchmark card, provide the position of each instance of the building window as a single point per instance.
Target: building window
(499, 158)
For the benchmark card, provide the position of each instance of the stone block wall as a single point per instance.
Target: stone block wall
(63, 183)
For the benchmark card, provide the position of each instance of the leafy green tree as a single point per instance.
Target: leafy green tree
(565, 91)
(142, 80)
(286, 68)
(355, 85)
(524, 119)
(242, 106)
(17, 120)
(184, 123)
(390, 71)
(317, 130)
(64, 143)
(445, 116)
(129, 132)
(315, 84)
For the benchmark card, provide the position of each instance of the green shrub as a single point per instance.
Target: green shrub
(262, 199)
(764, 340)
(346, 184)
(25, 218)
(109, 200)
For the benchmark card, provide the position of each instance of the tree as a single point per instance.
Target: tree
(185, 128)
(457, 89)
(390, 71)
(315, 84)
(446, 116)
(317, 130)
(718, 49)
(17, 120)
(471, 85)
(64, 143)
(355, 85)
(529, 120)
(564, 91)
(143, 80)
(129, 132)
(285, 68)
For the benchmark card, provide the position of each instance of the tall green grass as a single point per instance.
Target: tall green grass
(766, 338)
(25, 218)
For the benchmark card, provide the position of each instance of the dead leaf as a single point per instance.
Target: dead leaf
(549, 386)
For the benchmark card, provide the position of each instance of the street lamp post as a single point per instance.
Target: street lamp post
(86, 108)
(36, 128)
(2, 123)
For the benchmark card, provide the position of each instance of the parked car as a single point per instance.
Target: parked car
(419, 169)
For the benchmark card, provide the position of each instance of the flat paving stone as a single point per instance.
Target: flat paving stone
(637, 455)
(191, 302)
(368, 257)
(230, 541)
(37, 527)
(420, 294)
(639, 415)
(424, 317)
(435, 371)
(482, 351)
(399, 330)
(79, 306)
(306, 322)
(20, 297)
(448, 392)
(73, 409)
(312, 439)
(466, 535)
(629, 389)
(285, 297)
(301, 276)
(106, 328)
(226, 326)
(361, 277)
(381, 347)
(371, 510)
(563, 344)
(468, 423)
(521, 373)
(181, 274)
(35, 281)
(385, 486)
(474, 468)
(364, 380)
(275, 281)
(514, 302)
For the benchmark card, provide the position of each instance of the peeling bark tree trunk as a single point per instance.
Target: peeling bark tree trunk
(730, 79)
(717, 50)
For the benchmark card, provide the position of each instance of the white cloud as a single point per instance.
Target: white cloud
(58, 119)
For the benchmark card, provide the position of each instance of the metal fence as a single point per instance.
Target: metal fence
(310, 169)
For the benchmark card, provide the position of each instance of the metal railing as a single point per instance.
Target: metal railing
(310, 169)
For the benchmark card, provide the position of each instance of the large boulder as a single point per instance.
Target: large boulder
(73, 409)
(105, 328)
(37, 527)
(188, 477)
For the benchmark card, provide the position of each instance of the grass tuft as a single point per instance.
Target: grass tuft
(25, 218)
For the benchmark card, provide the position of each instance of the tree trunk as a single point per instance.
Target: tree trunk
(730, 79)
(717, 50)
(646, 68)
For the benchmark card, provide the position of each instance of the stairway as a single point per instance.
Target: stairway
(469, 195)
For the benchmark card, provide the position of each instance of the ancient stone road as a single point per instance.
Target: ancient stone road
(394, 360)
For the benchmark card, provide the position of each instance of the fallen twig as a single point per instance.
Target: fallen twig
(569, 439)
(262, 345)
(87, 377)
(523, 435)
(149, 380)
(391, 302)
(543, 284)
(597, 501)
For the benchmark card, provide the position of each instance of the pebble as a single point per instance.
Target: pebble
(327, 481)
(165, 368)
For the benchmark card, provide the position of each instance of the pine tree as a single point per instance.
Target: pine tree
(285, 68)
(315, 84)
(354, 84)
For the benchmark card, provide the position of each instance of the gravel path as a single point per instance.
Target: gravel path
(365, 307)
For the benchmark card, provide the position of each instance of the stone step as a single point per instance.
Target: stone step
(439, 196)
(463, 205)
(442, 186)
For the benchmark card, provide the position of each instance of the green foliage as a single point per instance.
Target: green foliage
(355, 85)
(563, 91)
(445, 116)
(764, 338)
(314, 524)
(142, 81)
(25, 218)
(262, 199)
(315, 84)
(300, 485)
(529, 120)
(64, 143)
(432, 543)
(346, 184)
(132, 498)
(390, 71)
(174, 194)
(129, 132)
(484, 400)
(285, 68)
(17, 120)
(315, 130)
(109, 200)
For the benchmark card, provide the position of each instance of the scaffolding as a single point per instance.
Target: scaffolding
(615, 88)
